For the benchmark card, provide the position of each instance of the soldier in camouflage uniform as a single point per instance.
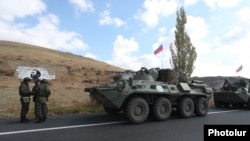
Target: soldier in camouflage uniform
(24, 92)
(41, 101)
(35, 91)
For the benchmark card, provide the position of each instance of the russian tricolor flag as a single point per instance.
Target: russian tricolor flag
(239, 69)
(158, 50)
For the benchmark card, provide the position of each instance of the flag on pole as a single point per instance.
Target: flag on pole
(239, 69)
(158, 50)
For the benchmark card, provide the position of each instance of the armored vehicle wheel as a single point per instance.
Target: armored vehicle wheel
(201, 107)
(137, 110)
(161, 109)
(111, 111)
(185, 107)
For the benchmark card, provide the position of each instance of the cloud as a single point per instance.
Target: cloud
(124, 55)
(236, 39)
(124, 47)
(243, 14)
(106, 19)
(83, 5)
(156, 9)
(196, 27)
(90, 55)
(210, 54)
(197, 30)
(230, 50)
(12, 9)
(162, 30)
(214, 4)
(45, 33)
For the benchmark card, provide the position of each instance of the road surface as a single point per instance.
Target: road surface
(103, 127)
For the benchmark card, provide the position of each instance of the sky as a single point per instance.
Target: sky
(126, 33)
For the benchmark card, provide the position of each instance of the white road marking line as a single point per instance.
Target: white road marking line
(85, 125)
(58, 128)
(223, 112)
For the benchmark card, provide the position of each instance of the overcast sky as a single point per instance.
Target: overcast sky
(126, 33)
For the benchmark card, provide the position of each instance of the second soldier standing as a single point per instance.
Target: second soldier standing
(41, 101)
(35, 91)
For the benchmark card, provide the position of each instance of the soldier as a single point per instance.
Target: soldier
(41, 100)
(244, 84)
(35, 91)
(24, 92)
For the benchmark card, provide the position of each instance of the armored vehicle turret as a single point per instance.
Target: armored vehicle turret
(153, 92)
(233, 94)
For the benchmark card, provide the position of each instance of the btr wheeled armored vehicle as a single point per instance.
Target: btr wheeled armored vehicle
(233, 94)
(152, 92)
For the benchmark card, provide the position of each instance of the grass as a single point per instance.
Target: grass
(76, 109)
(91, 108)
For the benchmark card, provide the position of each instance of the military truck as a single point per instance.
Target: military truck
(233, 94)
(155, 92)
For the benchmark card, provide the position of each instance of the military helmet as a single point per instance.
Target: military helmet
(26, 79)
(44, 81)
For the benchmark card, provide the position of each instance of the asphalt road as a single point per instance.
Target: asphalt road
(103, 127)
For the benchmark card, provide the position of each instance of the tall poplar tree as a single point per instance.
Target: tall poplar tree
(183, 54)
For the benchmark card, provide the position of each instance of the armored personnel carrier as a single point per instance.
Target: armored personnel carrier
(233, 95)
(154, 92)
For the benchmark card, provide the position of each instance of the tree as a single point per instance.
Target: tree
(183, 54)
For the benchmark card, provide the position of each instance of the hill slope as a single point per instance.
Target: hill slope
(73, 73)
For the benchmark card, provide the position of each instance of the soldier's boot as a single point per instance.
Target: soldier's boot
(26, 119)
(22, 119)
(40, 120)
(44, 117)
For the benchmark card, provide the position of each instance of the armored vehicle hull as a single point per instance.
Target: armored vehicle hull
(235, 95)
(140, 95)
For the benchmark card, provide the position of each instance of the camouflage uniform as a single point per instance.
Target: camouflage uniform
(35, 91)
(42, 99)
(24, 92)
